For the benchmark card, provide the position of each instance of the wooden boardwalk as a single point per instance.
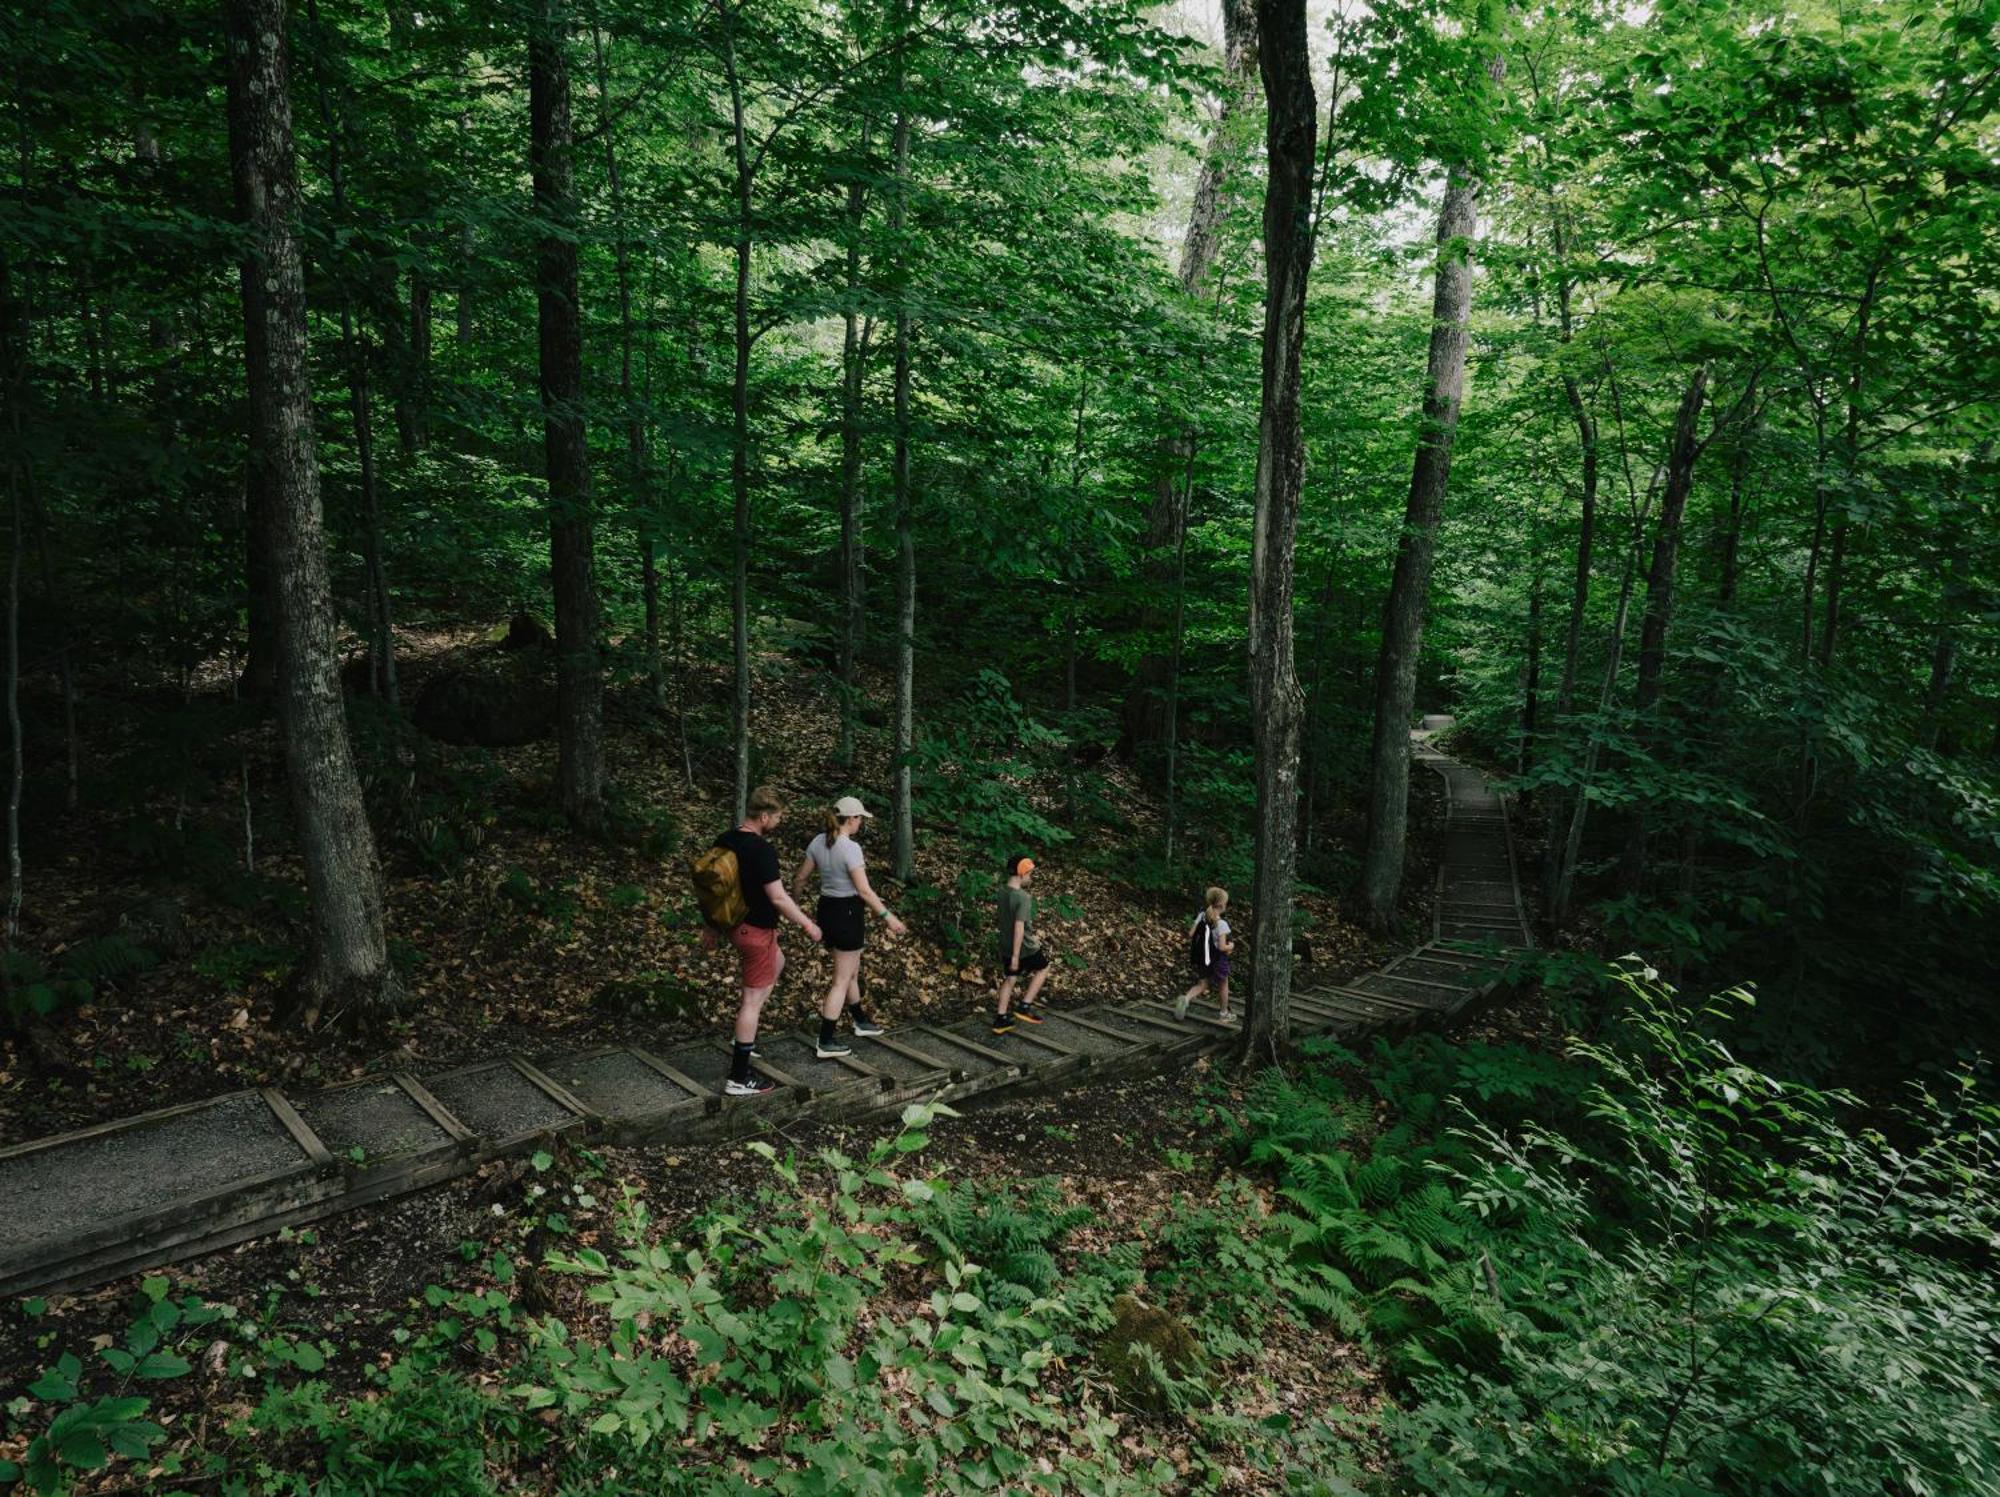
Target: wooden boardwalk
(85, 1207)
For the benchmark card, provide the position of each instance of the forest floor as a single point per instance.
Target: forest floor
(529, 936)
(490, 972)
(1136, 1153)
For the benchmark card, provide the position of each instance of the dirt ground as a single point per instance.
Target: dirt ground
(537, 942)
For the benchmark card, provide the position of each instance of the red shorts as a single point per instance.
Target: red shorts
(759, 949)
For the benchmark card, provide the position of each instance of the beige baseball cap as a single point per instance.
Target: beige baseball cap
(848, 806)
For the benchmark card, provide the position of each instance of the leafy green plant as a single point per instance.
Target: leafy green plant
(1719, 1280)
(90, 1426)
(420, 1432)
(232, 965)
(938, 1400)
(29, 989)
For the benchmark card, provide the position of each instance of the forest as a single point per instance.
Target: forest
(456, 456)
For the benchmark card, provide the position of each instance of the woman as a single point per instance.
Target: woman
(843, 894)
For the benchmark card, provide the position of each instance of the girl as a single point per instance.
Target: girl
(1215, 976)
(843, 891)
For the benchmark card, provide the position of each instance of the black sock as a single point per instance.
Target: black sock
(825, 1030)
(739, 1060)
(857, 1013)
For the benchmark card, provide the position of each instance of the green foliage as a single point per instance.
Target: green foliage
(431, 800)
(1726, 1281)
(232, 965)
(421, 1432)
(1011, 1232)
(555, 902)
(89, 1425)
(981, 768)
(653, 995)
(30, 990)
(936, 1401)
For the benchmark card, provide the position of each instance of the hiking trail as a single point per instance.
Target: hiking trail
(84, 1207)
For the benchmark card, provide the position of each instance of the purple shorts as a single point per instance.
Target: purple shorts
(1218, 974)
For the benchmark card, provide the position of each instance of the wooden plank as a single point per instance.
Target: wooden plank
(435, 1110)
(556, 1091)
(96, 1130)
(1034, 1036)
(301, 1133)
(908, 1051)
(968, 1043)
(679, 1078)
(1407, 1005)
(1112, 1032)
(1422, 982)
(184, 1219)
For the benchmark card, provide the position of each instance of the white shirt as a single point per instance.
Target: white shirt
(836, 866)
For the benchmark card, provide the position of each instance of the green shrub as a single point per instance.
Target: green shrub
(1727, 1282)
(420, 1432)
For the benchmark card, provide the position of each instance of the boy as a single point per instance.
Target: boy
(756, 939)
(1020, 952)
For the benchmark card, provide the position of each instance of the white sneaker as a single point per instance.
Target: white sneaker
(756, 1086)
(1181, 1006)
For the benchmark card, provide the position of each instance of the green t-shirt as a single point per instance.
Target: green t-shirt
(1016, 904)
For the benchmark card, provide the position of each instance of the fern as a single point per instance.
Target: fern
(102, 961)
(1011, 1237)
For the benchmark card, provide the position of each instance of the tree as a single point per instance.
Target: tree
(347, 966)
(565, 446)
(1403, 614)
(1291, 136)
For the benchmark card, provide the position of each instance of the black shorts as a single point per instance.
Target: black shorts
(843, 922)
(1033, 959)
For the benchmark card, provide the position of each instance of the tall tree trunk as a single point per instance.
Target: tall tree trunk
(17, 768)
(1077, 451)
(1951, 604)
(1291, 134)
(420, 357)
(638, 462)
(1403, 615)
(853, 573)
(381, 630)
(1213, 195)
(566, 449)
(259, 677)
(1531, 688)
(1570, 831)
(465, 246)
(1173, 728)
(1681, 454)
(905, 859)
(16, 323)
(739, 405)
(1850, 457)
(1586, 536)
(347, 968)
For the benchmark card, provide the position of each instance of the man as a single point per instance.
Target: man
(756, 938)
(1020, 952)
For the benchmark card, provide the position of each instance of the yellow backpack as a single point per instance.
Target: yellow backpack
(718, 886)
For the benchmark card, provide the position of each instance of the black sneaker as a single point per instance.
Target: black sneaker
(831, 1050)
(1003, 1023)
(1027, 1015)
(756, 1086)
(865, 1028)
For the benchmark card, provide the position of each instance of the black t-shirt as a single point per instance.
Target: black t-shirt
(756, 865)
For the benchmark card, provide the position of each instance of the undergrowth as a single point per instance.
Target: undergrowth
(1640, 1267)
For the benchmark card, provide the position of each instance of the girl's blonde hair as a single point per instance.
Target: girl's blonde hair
(833, 820)
(1218, 901)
